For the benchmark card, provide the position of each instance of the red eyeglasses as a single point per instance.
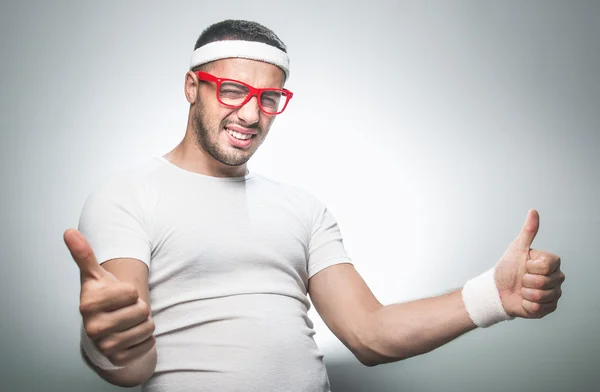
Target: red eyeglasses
(235, 94)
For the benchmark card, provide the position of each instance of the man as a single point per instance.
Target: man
(206, 266)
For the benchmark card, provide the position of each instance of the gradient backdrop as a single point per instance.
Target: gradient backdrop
(428, 128)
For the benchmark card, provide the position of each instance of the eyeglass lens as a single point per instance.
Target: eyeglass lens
(234, 94)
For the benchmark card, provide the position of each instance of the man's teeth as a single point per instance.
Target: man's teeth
(238, 135)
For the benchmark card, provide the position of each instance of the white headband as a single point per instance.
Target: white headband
(241, 49)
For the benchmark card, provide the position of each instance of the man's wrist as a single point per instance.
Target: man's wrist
(482, 300)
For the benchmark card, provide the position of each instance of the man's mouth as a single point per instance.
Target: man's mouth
(239, 135)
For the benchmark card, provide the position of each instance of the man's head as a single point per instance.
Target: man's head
(241, 51)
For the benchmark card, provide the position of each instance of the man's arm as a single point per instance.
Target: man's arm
(115, 306)
(378, 334)
(524, 283)
(139, 370)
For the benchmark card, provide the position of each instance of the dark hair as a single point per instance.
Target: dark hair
(239, 30)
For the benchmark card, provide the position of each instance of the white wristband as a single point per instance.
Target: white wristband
(94, 355)
(482, 300)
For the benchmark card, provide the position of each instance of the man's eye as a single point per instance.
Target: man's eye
(232, 89)
(233, 92)
(270, 99)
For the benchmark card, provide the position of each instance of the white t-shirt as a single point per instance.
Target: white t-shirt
(229, 261)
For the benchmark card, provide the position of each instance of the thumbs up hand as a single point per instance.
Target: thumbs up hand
(115, 318)
(528, 280)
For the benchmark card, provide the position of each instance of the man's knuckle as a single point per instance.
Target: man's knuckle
(119, 358)
(123, 357)
(534, 295)
(547, 283)
(529, 281)
(144, 306)
(130, 292)
(538, 282)
(94, 330)
(546, 268)
(107, 345)
(84, 308)
(149, 343)
(151, 326)
(87, 306)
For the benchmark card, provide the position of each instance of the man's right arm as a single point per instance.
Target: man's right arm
(114, 305)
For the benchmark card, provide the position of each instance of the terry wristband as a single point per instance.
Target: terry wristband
(482, 300)
(94, 355)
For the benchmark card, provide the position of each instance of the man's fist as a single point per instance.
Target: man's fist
(528, 280)
(115, 318)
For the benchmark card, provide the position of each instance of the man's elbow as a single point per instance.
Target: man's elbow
(368, 361)
(368, 352)
(371, 358)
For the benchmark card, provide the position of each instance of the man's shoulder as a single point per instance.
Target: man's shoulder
(131, 180)
(280, 185)
(287, 189)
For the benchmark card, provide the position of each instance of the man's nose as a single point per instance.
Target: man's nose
(250, 112)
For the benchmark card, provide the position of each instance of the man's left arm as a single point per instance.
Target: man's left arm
(528, 284)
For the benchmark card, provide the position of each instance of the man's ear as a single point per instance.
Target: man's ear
(191, 87)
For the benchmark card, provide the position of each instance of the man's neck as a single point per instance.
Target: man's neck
(196, 160)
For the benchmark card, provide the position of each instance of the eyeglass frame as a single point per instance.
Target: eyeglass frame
(252, 91)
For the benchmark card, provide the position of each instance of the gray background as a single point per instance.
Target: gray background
(429, 128)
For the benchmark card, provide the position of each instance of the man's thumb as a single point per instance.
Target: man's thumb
(529, 230)
(83, 255)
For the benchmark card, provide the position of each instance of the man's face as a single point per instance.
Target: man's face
(218, 128)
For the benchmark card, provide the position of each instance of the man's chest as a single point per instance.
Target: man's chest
(221, 238)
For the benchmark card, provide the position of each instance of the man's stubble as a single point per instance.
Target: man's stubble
(208, 140)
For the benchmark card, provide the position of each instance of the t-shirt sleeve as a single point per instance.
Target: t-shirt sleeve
(326, 246)
(112, 220)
